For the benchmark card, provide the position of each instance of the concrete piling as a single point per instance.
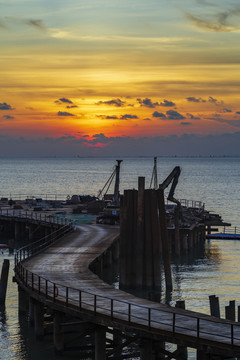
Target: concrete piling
(38, 320)
(100, 343)
(146, 349)
(58, 332)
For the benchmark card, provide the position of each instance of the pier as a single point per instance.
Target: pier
(54, 277)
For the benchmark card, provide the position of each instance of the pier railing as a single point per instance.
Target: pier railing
(167, 320)
(22, 197)
(189, 203)
(39, 245)
(231, 230)
(37, 216)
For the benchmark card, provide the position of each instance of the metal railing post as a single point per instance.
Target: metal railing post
(46, 289)
(54, 292)
(129, 314)
(80, 300)
(174, 321)
(111, 309)
(149, 318)
(66, 296)
(95, 304)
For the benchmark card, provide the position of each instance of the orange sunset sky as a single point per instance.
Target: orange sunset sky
(119, 77)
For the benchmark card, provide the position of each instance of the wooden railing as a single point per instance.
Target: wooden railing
(166, 319)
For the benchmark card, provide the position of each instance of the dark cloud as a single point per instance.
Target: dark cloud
(200, 100)
(174, 115)
(108, 117)
(65, 100)
(148, 103)
(222, 21)
(159, 115)
(38, 24)
(8, 117)
(167, 103)
(115, 102)
(111, 117)
(226, 110)
(100, 138)
(71, 106)
(238, 112)
(5, 106)
(214, 101)
(234, 123)
(34, 23)
(196, 100)
(101, 145)
(65, 113)
(192, 117)
(129, 116)
(185, 123)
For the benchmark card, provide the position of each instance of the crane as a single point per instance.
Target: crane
(172, 177)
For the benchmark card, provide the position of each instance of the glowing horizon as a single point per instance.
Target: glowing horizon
(120, 69)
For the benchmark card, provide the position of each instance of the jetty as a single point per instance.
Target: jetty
(54, 278)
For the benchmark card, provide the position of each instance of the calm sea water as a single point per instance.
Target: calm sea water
(214, 181)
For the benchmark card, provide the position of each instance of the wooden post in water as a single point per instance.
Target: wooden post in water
(182, 350)
(4, 281)
(230, 311)
(214, 306)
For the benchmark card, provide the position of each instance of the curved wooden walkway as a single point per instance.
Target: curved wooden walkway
(60, 275)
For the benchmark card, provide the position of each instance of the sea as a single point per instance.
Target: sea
(215, 181)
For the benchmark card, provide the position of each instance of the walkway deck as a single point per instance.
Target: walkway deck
(60, 274)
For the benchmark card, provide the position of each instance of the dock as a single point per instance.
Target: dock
(55, 275)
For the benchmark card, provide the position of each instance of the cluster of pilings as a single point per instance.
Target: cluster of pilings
(143, 238)
(147, 239)
(230, 310)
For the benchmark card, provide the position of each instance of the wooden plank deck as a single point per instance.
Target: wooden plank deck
(65, 266)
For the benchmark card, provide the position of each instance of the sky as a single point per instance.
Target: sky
(119, 78)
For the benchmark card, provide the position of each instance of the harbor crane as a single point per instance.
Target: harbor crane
(172, 177)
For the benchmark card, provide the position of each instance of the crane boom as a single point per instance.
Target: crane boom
(172, 177)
